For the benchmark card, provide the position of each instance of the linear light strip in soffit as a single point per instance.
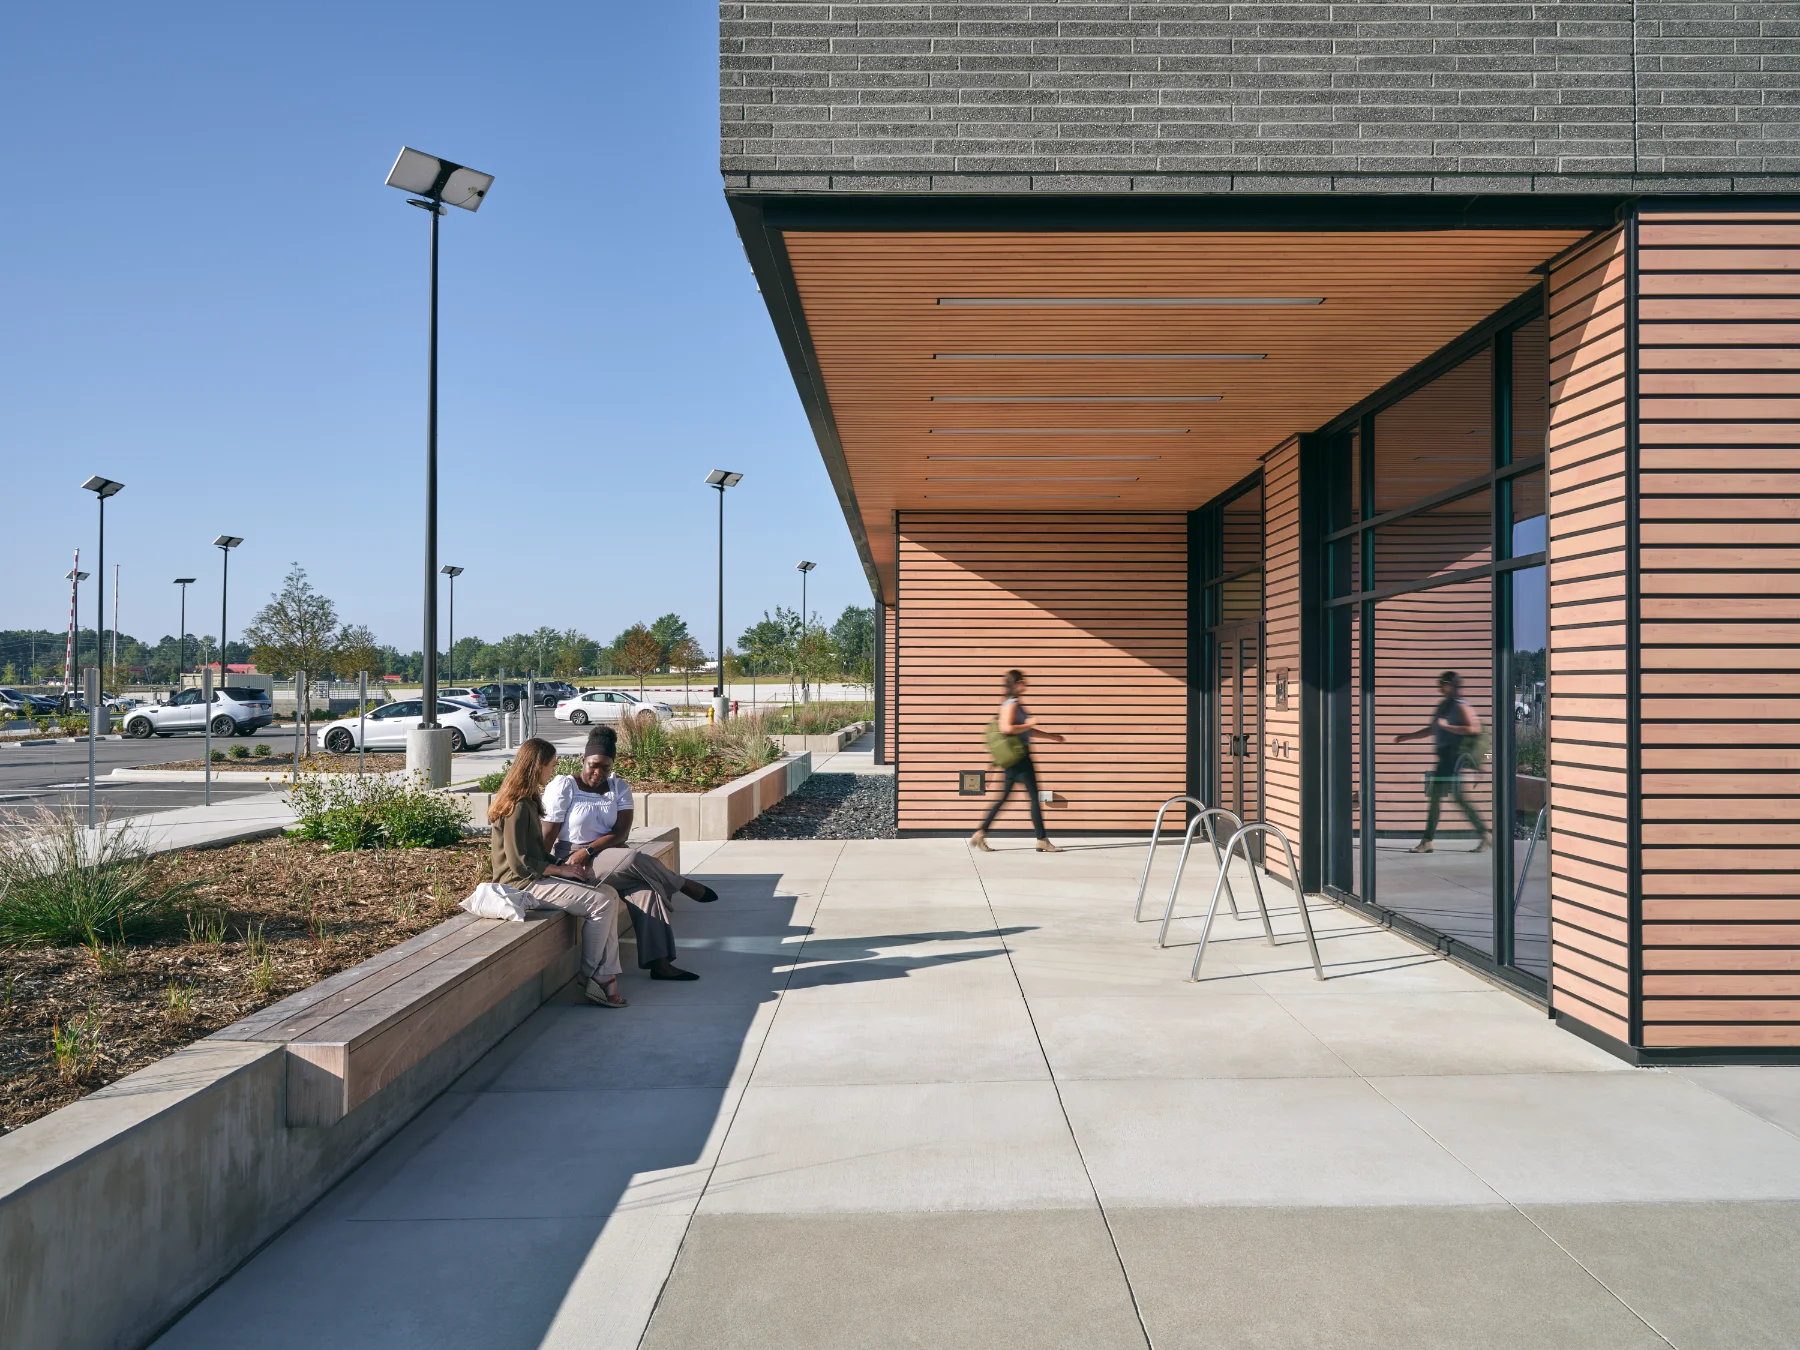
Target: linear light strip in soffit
(1058, 431)
(1021, 496)
(1098, 356)
(1034, 478)
(1113, 301)
(1010, 459)
(1076, 398)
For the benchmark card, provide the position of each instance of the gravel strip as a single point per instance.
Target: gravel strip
(831, 806)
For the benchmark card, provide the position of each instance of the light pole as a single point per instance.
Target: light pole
(433, 182)
(74, 577)
(804, 568)
(102, 488)
(722, 479)
(450, 652)
(181, 633)
(224, 543)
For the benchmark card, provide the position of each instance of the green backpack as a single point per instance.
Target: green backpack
(1004, 750)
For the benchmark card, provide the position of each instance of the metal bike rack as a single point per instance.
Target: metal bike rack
(1137, 910)
(1530, 848)
(1187, 842)
(1260, 827)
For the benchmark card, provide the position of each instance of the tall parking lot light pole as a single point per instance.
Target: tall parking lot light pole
(181, 633)
(450, 652)
(224, 543)
(722, 479)
(805, 569)
(102, 488)
(434, 183)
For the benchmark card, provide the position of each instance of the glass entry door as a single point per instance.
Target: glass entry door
(1237, 735)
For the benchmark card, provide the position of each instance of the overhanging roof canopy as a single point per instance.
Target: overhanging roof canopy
(1112, 370)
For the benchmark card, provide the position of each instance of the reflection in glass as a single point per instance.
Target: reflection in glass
(1437, 437)
(1433, 769)
(1531, 801)
(1447, 538)
(1529, 533)
(1531, 389)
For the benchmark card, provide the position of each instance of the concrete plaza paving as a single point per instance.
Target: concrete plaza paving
(923, 1097)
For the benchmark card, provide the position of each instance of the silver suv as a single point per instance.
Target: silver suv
(235, 712)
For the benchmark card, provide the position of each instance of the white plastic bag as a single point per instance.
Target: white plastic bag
(490, 900)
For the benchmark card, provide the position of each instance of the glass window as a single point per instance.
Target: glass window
(1530, 389)
(1433, 769)
(1529, 614)
(1436, 437)
(1530, 532)
(1450, 538)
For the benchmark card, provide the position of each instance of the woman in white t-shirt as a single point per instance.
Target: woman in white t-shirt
(587, 822)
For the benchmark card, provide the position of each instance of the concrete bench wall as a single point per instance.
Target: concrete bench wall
(121, 1209)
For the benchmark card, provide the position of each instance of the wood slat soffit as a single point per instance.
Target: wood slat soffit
(1146, 371)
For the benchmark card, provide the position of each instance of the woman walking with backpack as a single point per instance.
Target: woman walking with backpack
(1009, 742)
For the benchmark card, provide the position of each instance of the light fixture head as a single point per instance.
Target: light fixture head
(805, 566)
(185, 581)
(75, 576)
(450, 571)
(105, 487)
(227, 541)
(439, 179)
(723, 478)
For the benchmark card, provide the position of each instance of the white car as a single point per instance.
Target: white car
(386, 727)
(609, 705)
(235, 712)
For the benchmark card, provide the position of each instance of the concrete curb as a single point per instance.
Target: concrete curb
(57, 740)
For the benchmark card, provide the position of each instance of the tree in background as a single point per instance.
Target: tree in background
(575, 653)
(357, 651)
(853, 637)
(296, 630)
(668, 630)
(766, 644)
(687, 656)
(637, 652)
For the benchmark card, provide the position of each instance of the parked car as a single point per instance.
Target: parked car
(15, 704)
(514, 695)
(609, 705)
(386, 727)
(236, 711)
(466, 693)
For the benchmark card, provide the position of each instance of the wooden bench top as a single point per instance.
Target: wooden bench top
(350, 1035)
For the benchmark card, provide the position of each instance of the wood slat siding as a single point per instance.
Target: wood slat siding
(1585, 459)
(1281, 646)
(1719, 568)
(1093, 606)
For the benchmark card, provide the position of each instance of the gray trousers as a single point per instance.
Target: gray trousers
(595, 908)
(648, 888)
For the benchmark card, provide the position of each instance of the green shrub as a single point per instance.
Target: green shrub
(349, 812)
(73, 724)
(58, 890)
(239, 752)
(218, 756)
(260, 749)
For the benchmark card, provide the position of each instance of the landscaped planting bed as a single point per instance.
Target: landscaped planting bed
(656, 758)
(817, 719)
(257, 921)
(319, 762)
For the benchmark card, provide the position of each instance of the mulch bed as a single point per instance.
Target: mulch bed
(319, 761)
(318, 912)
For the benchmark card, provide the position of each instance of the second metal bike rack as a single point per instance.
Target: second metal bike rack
(1260, 827)
(1187, 842)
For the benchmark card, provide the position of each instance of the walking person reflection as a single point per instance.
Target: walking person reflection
(1020, 726)
(1455, 731)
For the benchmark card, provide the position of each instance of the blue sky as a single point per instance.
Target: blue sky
(212, 297)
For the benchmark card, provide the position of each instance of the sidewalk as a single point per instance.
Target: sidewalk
(224, 822)
(924, 1097)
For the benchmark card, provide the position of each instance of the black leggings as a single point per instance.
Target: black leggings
(1022, 772)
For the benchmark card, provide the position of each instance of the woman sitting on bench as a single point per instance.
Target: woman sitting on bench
(595, 808)
(520, 859)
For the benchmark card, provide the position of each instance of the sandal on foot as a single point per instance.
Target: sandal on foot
(1045, 846)
(596, 993)
(706, 897)
(978, 840)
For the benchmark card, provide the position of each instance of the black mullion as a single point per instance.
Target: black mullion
(1364, 614)
(1518, 564)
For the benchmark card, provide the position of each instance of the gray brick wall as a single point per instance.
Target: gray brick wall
(1471, 95)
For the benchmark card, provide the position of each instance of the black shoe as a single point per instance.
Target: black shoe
(671, 973)
(706, 897)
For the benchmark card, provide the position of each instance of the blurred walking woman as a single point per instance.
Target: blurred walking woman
(1012, 752)
(520, 860)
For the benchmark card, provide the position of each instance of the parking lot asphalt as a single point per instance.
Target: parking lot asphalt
(53, 777)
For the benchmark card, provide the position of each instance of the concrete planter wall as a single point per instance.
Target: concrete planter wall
(828, 744)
